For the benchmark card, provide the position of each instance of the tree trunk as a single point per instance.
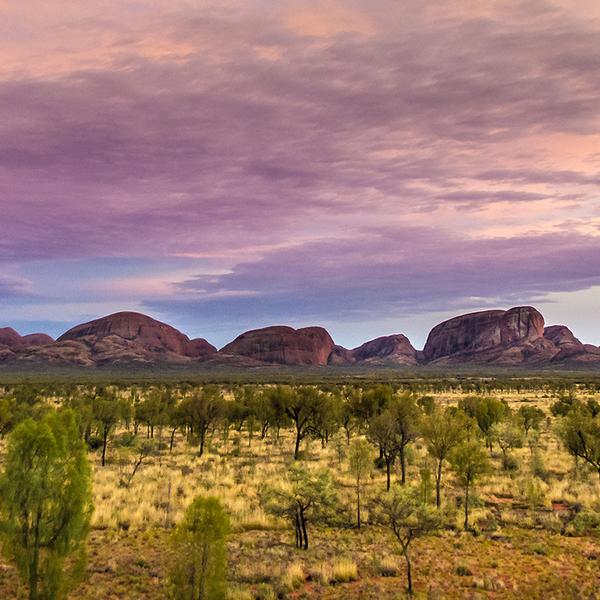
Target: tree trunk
(104, 439)
(297, 447)
(202, 436)
(387, 472)
(298, 532)
(304, 533)
(438, 485)
(409, 587)
(467, 507)
(172, 439)
(402, 465)
(358, 502)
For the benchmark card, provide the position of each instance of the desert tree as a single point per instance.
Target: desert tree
(302, 406)
(201, 410)
(384, 433)
(350, 398)
(108, 410)
(530, 417)
(508, 435)
(198, 569)
(45, 505)
(470, 463)
(402, 511)
(326, 418)
(487, 412)
(579, 432)
(406, 415)
(442, 431)
(372, 401)
(360, 463)
(305, 494)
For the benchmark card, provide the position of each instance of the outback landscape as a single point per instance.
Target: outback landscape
(484, 485)
(299, 300)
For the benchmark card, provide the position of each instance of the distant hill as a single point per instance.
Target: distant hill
(504, 338)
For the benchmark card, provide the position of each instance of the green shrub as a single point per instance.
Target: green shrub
(199, 565)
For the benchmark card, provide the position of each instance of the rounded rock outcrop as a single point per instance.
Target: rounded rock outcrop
(283, 345)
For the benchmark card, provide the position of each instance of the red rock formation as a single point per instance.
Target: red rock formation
(10, 338)
(387, 349)
(284, 345)
(37, 339)
(505, 337)
(132, 333)
(199, 348)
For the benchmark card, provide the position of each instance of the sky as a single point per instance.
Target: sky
(371, 167)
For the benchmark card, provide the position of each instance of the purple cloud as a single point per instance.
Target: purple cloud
(357, 158)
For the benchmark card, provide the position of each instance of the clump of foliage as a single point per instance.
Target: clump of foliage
(198, 569)
(45, 505)
(305, 494)
(402, 511)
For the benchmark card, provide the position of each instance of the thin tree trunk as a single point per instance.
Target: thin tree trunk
(358, 502)
(297, 447)
(172, 439)
(409, 587)
(438, 485)
(304, 533)
(387, 470)
(104, 439)
(467, 507)
(402, 465)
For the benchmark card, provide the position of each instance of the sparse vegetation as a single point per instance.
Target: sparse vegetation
(544, 510)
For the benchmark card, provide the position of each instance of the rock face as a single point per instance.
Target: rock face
(10, 338)
(37, 339)
(568, 346)
(134, 332)
(121, 338)
(506, 337)
(496, 337)
(283, 345)
(390, 349)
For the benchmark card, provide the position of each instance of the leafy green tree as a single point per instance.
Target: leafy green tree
(350, 399)
(530, 417)
(442, 431)
(372, 401)
(470, 463)
(202, 409)
(108, 411)
(384, 433)
(580, 434)
(302, 406)
(567, 399)
(360, 465)
(199, 564)
(305, 494)
(487, 412)
(402, 511)
(508, 435)
(406, 415)
(45, 504)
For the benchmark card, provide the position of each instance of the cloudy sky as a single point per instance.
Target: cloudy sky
(369, 166)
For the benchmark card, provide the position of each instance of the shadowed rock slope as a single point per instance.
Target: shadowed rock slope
(511, 337)
(121, 338)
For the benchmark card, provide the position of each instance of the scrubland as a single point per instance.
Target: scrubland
(535, 526)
